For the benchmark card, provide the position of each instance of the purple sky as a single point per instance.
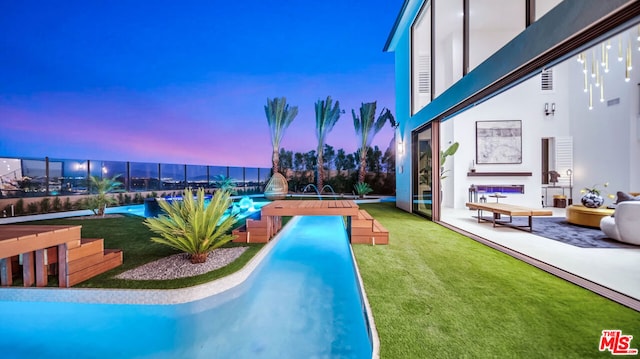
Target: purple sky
(187, 81)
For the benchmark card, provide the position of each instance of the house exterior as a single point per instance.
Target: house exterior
(542, 96)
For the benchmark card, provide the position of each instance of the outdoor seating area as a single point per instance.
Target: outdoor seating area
(43, 250)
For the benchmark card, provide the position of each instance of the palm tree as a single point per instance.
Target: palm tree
(99, 202)
(366, 129)
(279, 117)
(192, 226)
(326, 117)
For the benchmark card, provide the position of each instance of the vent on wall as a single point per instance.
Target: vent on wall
(424, 74)
(546, 80)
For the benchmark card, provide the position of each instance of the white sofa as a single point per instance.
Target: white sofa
(625, 225)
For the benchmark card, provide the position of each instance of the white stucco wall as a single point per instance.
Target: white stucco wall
(606, 141)
(524, 102)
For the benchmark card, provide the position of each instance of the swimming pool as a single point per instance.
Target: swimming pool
(302, 301)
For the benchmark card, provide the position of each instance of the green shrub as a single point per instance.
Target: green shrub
(127, 199)
(45, 205)
(362, 188)
(138, 198)
(32, 208)
(19, 207)
(67, 204)
(79, 204)
(192, 226)
(57, 204)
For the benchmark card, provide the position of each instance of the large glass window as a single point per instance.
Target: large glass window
(493, 23)
(421, 59)
(447, 39)
(423, 173)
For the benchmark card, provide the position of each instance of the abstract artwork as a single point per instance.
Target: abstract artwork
(499, 141)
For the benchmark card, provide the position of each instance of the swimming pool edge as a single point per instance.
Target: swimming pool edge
(373, 331)
(144, 296)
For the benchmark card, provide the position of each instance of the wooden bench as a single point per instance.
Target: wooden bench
(508, 210)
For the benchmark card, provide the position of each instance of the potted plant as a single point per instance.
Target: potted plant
(591, 196)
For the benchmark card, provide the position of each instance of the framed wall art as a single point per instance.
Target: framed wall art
(498, 142)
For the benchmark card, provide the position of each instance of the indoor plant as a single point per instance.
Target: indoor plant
(591, 196)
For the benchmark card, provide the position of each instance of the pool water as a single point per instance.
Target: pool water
(302, 301)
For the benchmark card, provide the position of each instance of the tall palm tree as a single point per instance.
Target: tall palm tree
(279, 117)
(366, 129)
(326, 117)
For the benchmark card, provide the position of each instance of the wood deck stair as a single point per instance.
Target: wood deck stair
(367, 230)
(90, 259)
(50, 250)
(254, 231)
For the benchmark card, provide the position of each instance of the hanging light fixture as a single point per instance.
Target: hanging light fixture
(598, 77)
(629, 65)
(601, 90)
(620, 48)
(602, 54)
(586, 82)
(590, 97)
(606, 62)
(593, 64)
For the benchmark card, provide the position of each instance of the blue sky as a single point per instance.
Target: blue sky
(186, 82)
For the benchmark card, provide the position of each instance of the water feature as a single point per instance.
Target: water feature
(302, 301)
(314, 187)
(330, 188)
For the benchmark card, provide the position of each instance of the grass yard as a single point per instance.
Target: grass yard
(133, 237)
(435, 293)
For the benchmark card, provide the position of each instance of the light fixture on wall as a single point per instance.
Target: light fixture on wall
(400, 147)
(549, 109)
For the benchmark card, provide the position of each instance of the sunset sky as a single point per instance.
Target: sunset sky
(187, 81)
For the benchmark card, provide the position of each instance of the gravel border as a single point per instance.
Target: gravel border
(179, 265)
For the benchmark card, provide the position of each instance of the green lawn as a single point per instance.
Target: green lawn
(435, 293)
(133, 237)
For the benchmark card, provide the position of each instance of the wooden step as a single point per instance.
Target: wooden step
(240, 234)
(88, 246)
(111, 259)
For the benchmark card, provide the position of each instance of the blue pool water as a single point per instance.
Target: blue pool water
(302, 301)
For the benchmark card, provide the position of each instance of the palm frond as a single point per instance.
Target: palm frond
(191, 225)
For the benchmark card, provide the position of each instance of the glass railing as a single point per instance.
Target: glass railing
(41, 177)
